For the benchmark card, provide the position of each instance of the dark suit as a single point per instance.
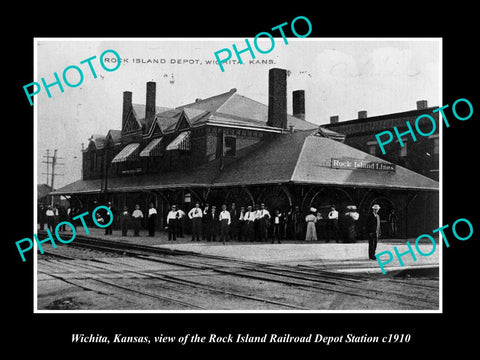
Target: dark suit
(234, 215)
(124, 220)
(211, 225)
(297, 221)
(373, 230)
(108, 229)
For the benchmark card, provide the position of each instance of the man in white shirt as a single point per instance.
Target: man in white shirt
(262, 216)
(225, 221)
(137, 217)
(152, 216)
(50, 217)
(332, 224)
(172, 219)
(181, 222)
(249, 219)
(241, 225)
(196, 215)
(277, 222)
(256, 223)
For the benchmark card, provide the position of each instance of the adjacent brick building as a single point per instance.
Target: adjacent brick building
(421, 156)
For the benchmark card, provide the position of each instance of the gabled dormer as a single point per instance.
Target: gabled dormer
(183, 123)
(155, 130)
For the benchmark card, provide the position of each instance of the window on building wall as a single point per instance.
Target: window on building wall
(230, 146)
(372, 147)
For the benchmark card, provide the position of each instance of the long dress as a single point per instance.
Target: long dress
(311, 231)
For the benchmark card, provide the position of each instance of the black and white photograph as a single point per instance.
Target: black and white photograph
(261, 187)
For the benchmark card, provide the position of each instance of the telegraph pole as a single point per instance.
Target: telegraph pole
(51, 164)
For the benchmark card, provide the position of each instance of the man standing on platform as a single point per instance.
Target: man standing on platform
(196, 215)
(234, 222)
(256, 223)
(297, 222)
(277, 224)
(137, 217)
(50, 215)
(249, 219)
(241, 225)
(181, 222)
(225, 221)
(211, 224)
(373, 229)
(206, 211)
(172, 219)
(41, 216)
(124, 221)
(263, 215)
(151, 219)
(108, 229)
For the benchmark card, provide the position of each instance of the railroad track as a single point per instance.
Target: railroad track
(300, 277)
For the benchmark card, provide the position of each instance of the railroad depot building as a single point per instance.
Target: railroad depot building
(230, 148)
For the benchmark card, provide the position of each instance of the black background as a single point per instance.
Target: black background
(50, 334)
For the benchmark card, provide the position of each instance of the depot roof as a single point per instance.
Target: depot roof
(302, 157)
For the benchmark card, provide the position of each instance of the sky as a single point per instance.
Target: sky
(339, 76)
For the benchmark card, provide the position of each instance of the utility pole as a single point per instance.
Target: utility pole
(51, 164)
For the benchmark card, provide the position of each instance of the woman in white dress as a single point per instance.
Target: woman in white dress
(311, 219)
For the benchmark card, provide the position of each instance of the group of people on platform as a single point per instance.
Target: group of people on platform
(251, 223)
(51, 215)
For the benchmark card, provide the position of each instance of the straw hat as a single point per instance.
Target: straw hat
(376, 207)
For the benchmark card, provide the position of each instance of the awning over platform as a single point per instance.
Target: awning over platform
(129, 152)
(181, 142)
(153, 148)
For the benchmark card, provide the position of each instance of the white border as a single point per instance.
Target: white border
(306, 312)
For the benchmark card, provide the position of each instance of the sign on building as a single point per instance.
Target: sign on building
(358, 164)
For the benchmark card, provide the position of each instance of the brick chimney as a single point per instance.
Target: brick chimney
(150, 102)
(334, 119)
(422, 104)
(299, 104)
(127, 105)
(362, 114)
(277, 98)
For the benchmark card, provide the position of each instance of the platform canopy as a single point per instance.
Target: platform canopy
(306, 157)
(303, 157)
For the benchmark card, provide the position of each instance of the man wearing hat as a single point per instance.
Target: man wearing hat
(249, 219)
(225, 221)
(196, 215)
(373, 229)
(108, 229)
(172, 226)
